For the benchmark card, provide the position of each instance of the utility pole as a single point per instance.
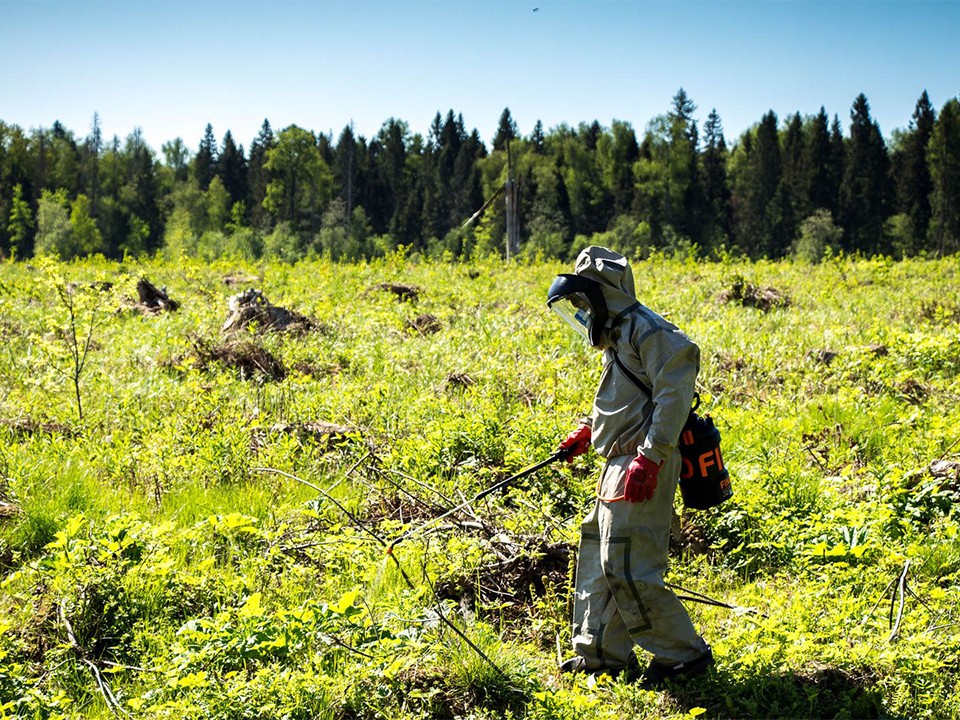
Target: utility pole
(512, 198)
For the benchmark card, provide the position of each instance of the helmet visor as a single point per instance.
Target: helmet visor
(576, 311)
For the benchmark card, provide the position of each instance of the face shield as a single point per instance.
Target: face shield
(576, 311)
(580, 303)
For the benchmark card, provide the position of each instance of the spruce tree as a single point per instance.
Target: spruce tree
(205, 162)
(792, 146)
(838, 161)
(258, 176)
(817, 188)
(346, 168)
(684, 170)
(944, 161)
(20, 223)
(756, 181)
(232, 169)
(389, 160)
(865, 195)
(912, 171)
(537, 140)
(713, 162)
(506, 131)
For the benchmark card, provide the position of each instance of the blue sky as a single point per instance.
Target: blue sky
(171, 66)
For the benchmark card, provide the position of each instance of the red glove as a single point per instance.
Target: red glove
(641, 479)
(576, 443)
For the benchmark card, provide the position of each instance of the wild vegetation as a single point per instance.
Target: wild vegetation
(800, 185)
(195, 496)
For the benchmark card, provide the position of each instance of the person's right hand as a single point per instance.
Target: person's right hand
(576, 443)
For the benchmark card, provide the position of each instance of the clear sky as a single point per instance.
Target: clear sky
(172, 66)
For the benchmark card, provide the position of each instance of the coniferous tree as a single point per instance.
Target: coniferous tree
(346, 168)
(429, 192)
(912, 171)
(469, 195)
(817, 188)
(944, 160)
(205, 161)
(16, 168)
(792, 145)
(757, 192)
(258, 176)
(617, 151)
(838, 162)
(865, 194)
(20, 223)
(387, 202)
(684, 169)
(232, 169)
(140, 198)
(537, 141)
(506, 131)
(90, 165)
(716, 190)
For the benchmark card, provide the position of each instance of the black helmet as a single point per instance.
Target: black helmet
(580, 303)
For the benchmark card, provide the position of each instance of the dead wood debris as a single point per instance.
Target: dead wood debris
(9, 510)
(251, 306)
(948, 471)
(403, 293)
(153, 300)
(324, 434)
(459, 381)
(750, 295)
(424, 324)
(524, 569)
(249, 359)
(239, 279)
(823, 356)
(27, 426)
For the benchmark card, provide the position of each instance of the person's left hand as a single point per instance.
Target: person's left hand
(641, 479)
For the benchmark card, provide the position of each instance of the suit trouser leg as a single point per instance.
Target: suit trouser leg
(620, 597)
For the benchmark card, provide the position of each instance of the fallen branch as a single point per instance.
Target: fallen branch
(102, 685)
(389, 552)
(902, 592)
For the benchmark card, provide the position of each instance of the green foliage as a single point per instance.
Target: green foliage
(54, 231)
(20, 222)
(943, 155)
(669, 190)
(154, 562)
(818, 237)
(86, 234)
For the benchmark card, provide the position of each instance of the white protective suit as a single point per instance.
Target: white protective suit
(620, 597)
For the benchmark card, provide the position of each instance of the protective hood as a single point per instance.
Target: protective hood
(611, 271)
(608, 277)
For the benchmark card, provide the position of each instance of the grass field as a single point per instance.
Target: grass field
(192, 520)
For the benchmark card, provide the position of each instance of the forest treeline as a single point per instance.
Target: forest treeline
(805, 186)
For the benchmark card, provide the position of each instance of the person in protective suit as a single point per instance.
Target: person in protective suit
(621, 600)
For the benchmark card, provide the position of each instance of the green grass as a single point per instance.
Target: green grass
(199, 585)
